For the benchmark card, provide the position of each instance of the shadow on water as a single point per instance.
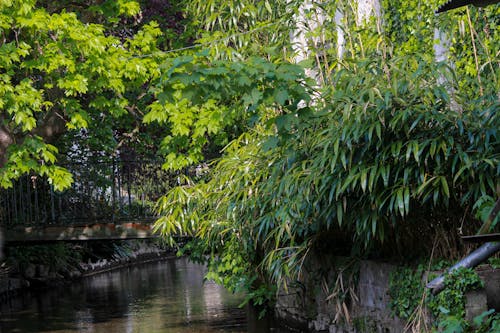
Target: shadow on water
(163, 297)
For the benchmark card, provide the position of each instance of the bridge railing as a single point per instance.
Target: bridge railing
(103, 191)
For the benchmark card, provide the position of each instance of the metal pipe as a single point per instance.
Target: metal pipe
(472, 260)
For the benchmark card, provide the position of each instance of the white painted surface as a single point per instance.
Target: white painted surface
(367, 9)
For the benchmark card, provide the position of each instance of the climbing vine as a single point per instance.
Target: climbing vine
(406, 289)
(448, 307)
(451, 301)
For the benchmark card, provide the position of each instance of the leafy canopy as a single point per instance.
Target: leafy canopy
(200, 101)
(59, 75)
(380, 153)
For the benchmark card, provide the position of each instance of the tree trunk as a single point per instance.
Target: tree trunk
(6, 140)
(49, 129)
(52, 126)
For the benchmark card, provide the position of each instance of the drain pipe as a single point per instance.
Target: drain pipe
(472, 260)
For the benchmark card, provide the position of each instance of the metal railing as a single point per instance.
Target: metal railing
(102, 191)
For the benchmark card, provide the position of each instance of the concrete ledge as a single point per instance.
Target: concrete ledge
(42, 276)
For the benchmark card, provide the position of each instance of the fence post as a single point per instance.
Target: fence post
(119, 174)
(28, 199)
(37, 208)
(113, 190)
(52, 206)
(14, 197)
(128, 190)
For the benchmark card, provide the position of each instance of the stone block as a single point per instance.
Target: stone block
(372, 311)
(475, 304)
(491, 278)
(374, 285)
(345, 328)
(321, 323)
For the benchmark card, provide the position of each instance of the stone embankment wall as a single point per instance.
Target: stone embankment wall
(35, 275)
(310, 305)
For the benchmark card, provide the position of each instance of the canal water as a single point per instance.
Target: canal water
(163, 297)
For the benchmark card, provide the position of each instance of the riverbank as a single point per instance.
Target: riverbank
(22, 270)
(163, 296)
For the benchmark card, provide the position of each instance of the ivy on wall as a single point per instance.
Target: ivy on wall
(447, 308)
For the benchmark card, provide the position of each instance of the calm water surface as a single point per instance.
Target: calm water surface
(163, 297)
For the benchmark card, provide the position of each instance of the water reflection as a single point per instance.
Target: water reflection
(166, 297)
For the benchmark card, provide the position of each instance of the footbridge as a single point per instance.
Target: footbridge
(109, 199)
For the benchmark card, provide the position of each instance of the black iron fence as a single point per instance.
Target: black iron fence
(102, 191)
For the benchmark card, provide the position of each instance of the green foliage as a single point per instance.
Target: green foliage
(102, 12)
(27, 157)
(236, 29)
(56, 256)
(484, 208)
(379, 148)
(60, 74)
(471, 33)
(392, 145)
(451, 301)
(410, 25)
(487, 322)
(234, 255)
(202, 101)
(383, 149)
(382, 152)
(494, 262)
(233, 269)
(405, 289)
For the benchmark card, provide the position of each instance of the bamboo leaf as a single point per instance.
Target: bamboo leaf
(408, 151)
(400, 202)
(374, 223)
(340, 213)
(363, 180)
(373, 176)
(446, 189)
(407, 199)
(416, 151)
(432, 150)
(385, 174)
(378, 129)
(425, 184)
